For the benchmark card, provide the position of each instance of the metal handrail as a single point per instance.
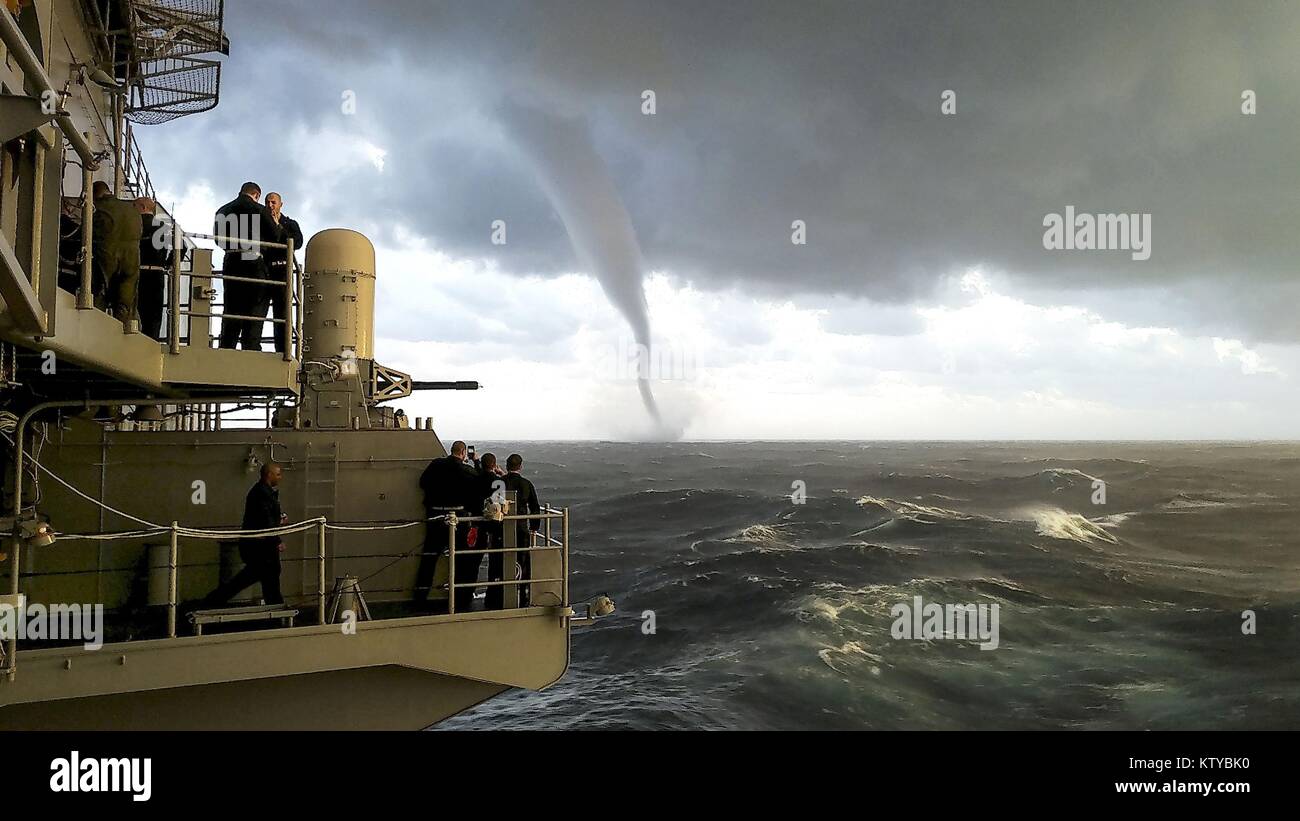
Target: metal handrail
(546, 515)
(220, 238)
(19, 437)
(135, 172)
(293, 286)
(321, 525)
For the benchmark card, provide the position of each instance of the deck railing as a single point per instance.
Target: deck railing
(290, 330)
(321, 526)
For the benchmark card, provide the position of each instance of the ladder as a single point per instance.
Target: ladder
(320, 497)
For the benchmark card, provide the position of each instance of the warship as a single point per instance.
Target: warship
(127, 459)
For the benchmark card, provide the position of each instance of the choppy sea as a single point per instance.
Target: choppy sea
(769, 613)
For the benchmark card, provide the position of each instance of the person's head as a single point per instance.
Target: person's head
(514, 463)
(274, 202)
(145, 205)
(271, 474)
(251, 190)
(100, 190)
(458, 450)
(488, 461)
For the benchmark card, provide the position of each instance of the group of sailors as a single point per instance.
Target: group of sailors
(241, 223)
(132, 253)
(456, 483)
(461, 484)
(128, 258)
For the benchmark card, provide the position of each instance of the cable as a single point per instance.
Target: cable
(90, 499)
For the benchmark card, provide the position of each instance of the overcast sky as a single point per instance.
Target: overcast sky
(923, 303)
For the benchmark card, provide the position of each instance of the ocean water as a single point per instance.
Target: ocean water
(775, 615)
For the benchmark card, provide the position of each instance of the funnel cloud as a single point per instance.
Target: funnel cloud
(578, 185)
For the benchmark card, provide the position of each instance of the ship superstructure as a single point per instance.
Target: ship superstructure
(127, 459)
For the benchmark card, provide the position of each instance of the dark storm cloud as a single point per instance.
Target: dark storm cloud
(770, 112)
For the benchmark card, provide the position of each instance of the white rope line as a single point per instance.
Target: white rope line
(90, 499)
(106, 537)
(199, 533)
(385, 527)
(282, 530)
(202, 533)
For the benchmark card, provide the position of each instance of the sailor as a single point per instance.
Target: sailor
(277, 262)
(155, 260)
(261, 554)
(115, 254)
(493, 489)
(240, 220)
(525, 500)
(449, 484)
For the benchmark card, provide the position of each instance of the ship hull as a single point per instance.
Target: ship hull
(395, 674)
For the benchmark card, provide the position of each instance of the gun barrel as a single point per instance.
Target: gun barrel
(445, 386)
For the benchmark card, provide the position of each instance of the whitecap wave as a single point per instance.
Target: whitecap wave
(1062, 478)
(759, 534)
(1191, 503)
(921, 514)
(1061, 524)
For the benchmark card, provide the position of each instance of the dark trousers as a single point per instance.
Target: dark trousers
(468, 566)
(246, 298)
(152, 284)
(261, 564)
(232, 303)
(435, 545)
(278, 304)
(495, 598)
(497, 571)
(258, 303)
(524, 540)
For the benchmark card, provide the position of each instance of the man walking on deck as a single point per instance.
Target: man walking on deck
(261, 554)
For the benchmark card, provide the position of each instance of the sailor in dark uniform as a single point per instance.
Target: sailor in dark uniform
(261, 554)
(449, 483)
(525, 500)
(244, 218)
(155, 261)
(277, 262)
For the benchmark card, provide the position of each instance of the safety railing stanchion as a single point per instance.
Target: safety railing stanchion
(451, 564)
(287, 328)
(320, 575)
(564, 564)
(172, 563)
(11, 643)
(174, 292)
(85, 293)
(296, 273)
